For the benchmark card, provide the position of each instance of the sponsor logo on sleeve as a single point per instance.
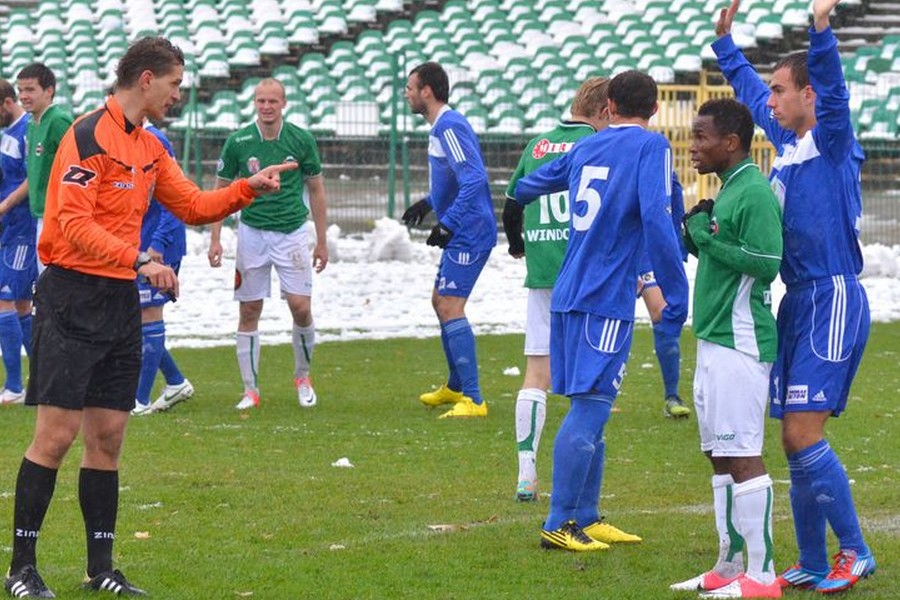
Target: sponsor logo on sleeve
(78, 176)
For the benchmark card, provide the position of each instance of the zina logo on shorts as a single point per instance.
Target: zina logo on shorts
(797, 394)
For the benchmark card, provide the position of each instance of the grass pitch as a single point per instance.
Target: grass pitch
(216, 504)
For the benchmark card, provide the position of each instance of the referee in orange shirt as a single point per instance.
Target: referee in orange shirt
(86, 355)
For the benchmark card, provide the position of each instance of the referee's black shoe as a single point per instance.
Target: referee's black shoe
(27, 583)
(113, 582)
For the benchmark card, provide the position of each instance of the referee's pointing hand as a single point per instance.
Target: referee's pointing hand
(269, 179)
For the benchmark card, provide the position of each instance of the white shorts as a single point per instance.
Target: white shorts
(537, 322)
(258, 251)
(731, 391)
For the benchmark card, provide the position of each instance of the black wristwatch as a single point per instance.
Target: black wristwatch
(142, 259)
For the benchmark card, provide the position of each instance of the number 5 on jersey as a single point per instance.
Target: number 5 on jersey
(589, 196)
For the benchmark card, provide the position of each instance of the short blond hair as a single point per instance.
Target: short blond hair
(591, 98)
(270, 81)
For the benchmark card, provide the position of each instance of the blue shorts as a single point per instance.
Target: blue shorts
(150, 296)
(588, 353)
(458, 272)
(823, 327)
(18, 270)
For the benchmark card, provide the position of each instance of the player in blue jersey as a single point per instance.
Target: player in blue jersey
(823, 320)
(18, 262)
(163, 238)
(466, 231)
(666, 334)
(620, 186)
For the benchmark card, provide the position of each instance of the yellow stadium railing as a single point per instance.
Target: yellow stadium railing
(678, 104)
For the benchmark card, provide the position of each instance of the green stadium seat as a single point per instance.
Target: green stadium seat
(389, 6)
(881, 124)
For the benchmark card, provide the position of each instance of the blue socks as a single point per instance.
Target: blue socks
(809, 520)
(829, 489)
(578, 459)
(154, 346)
(25, 324)
(668, 353)
(169, 369)
(587, 511)
(453, 381)
(11, 346)
(460, 350)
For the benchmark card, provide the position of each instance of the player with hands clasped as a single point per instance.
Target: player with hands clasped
(620, 186)
(271, 233)
(466, 232)
(737, 239)
(805, 112)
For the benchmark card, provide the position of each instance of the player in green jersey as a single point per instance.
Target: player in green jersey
(737, 239)
(36, 84)
(271, 233)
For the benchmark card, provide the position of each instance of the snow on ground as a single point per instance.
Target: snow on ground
(379, 286)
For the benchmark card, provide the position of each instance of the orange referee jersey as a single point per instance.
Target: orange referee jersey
(105, 173)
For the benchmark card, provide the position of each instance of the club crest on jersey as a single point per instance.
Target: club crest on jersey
(714, 226)
(545, 147)
(39, 149)
(253, 165)
(290, 159)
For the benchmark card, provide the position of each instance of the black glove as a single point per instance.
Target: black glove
(440, 236)
(416, 212)
(705, 205)
(512, 224)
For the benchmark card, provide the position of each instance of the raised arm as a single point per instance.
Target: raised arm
(834, 132)
(821, 13)
(748, 86)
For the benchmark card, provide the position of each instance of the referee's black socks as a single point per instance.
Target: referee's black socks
(98, 493)
(34, 490)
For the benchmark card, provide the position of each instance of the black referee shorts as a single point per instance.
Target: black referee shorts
(86, 341)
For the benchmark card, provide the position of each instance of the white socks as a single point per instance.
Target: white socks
(753, 504)
(304, 340)
(531, 412)
(247, 343)
(731, 545)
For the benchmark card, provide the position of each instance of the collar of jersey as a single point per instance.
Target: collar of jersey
(118, 115)
(726, 176)
(444, 109)
(23, 116)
